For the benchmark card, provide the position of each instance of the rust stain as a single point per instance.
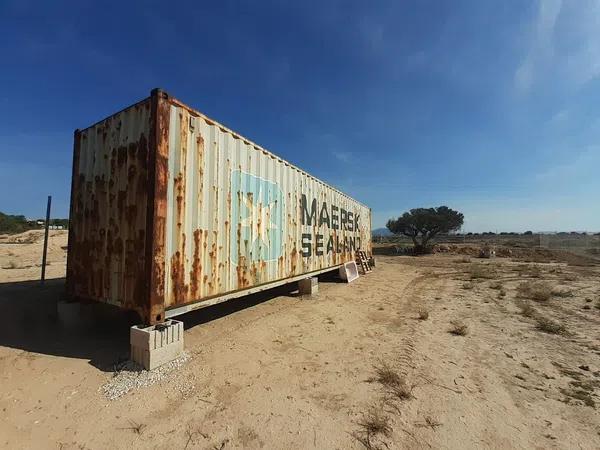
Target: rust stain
(179, 287)
(239, 270)
(294, 260)
(200, 150)
(214, 266)
(243, 281)
(157, 206)
(281, 266)
(180, 199)
(254, 273)
(107, 237)
(196, 272)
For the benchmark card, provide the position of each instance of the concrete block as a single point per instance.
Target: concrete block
(349, 271)
(309, 286)
(156, 345)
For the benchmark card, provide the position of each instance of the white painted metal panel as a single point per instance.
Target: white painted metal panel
(235, 215)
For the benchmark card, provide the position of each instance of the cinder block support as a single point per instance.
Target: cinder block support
(156, 345)
(309, 286)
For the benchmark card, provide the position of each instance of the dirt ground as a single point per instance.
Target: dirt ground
(358, 366)
(21, 255)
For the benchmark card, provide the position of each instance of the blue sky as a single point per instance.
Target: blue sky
(491, 108)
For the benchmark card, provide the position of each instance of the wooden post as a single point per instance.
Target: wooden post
(47, 224)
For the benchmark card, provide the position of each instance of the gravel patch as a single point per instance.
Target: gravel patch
(130, 375)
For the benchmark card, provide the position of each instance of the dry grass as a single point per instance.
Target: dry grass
(468, 285)
(375, 422)
(541, 323)
(373, 425)
(463, 260)
(31, 238)
(386, 375)
(137, 428)
(395, 386)
(581, 395)
(11, 265)
(496, 285)
(192, 434)
(549, 326)
(401, 391)
(423, 314)
(429, 422)
(562, 293)
(527, 310)
(534, 271)
(480, 271)
(536, 290)
(458, 328)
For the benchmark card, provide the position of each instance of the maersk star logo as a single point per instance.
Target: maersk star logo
(257, 212)
(260, 215)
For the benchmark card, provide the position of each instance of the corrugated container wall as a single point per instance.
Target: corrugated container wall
(172, 211)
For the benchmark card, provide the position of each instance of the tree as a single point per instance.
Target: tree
(423, 224)
(13, 224)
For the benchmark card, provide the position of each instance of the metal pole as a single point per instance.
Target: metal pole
(46, 239)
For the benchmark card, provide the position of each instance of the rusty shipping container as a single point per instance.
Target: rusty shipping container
(171, 211)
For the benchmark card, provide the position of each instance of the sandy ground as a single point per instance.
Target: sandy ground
(21, 255)
(281, 371)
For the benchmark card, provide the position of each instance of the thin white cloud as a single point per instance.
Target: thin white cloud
(524, 75)
(583, 61)
(541, 45)
(564, 46)
(547, 15)
(342, 156)
(576, 171)
(372, 33)
(560, 117)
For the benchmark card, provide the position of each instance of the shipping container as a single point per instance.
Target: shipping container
(172, 211)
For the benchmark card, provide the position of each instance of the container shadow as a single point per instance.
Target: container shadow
(95, 332)
(30, 323)
(214, 312)
(209, 313)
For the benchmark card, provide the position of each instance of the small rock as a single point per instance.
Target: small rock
(129, 375)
